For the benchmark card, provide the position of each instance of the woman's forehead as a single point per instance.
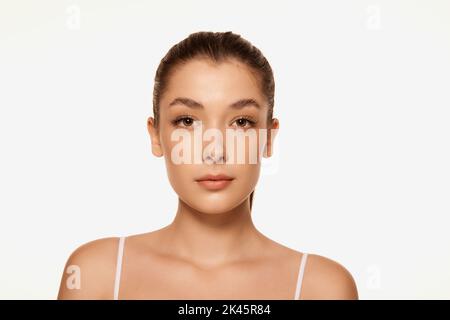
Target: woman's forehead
(212, 83)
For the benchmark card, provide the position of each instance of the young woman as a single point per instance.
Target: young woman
(211, 250)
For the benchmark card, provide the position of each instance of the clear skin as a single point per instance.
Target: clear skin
(212, 249)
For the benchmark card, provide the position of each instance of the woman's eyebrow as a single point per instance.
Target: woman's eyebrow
(249, 102)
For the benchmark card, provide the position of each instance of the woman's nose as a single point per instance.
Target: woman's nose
(214, 150)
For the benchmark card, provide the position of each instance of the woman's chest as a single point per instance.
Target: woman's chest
(162, 279)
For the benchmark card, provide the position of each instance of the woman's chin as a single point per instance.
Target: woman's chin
(213, 205)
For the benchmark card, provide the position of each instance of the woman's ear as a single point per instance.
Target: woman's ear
(154, 136)
(271, 133)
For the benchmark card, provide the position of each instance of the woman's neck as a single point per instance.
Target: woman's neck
(213, 239)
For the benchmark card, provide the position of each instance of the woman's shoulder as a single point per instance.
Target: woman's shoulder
(96, 252)
(90, 270)
(325, 278)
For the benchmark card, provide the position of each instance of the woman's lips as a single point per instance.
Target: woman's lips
(215, 182)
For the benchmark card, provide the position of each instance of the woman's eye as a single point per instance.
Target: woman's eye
(244, 123)
(185, 121)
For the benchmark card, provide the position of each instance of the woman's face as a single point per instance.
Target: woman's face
(203, 131)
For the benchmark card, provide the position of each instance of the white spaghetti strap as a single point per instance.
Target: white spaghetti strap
(300, 276)
(118, 268)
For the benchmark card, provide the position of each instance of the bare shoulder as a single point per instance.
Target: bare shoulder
(327, 279)
(90, 271)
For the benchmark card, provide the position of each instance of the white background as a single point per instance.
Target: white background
(361, 173)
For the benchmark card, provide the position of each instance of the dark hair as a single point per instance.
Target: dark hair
(218, 47)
